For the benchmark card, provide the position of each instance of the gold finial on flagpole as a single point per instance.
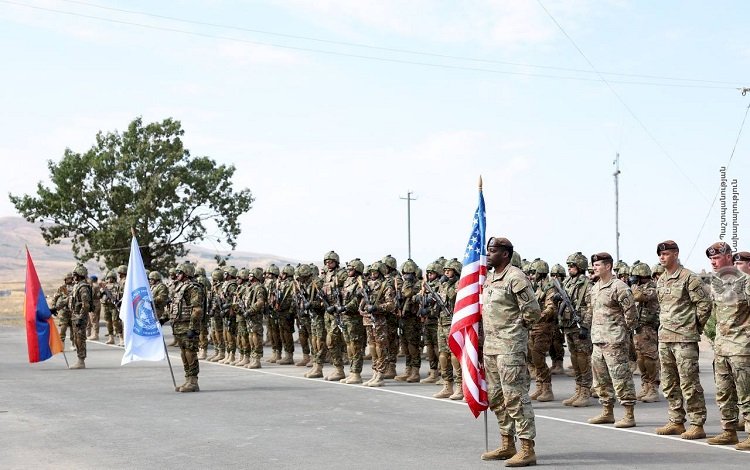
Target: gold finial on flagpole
(480, 182)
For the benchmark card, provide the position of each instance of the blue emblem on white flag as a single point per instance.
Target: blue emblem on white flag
(145, 318)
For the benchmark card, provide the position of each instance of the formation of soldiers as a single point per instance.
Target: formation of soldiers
(637, 318)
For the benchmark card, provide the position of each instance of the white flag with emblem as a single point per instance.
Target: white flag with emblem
(143, 338)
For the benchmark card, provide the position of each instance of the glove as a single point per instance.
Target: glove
(306, 305)
(341, 309)
(162, 321)
(53, 311)
(192, 334)
(371, 308)
(331, 309)
(557, 297)
(583, 333)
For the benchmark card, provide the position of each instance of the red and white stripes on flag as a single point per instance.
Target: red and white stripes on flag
(463, 340)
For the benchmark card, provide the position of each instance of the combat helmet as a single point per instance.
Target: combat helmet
(515, 259)
(230, 271)
(273, 269)
(357, 265)
(217, 275)
(68, 275)
(81, 271)
(379, 267)
(621, 267)
(304, 270)
(409, 267)
(331, 255)
(122, 269)
(390, 262)
(657, 269)
(435, 267)
(288, 270)
(110, 275)
(455, 265)
(257, 273)
(559, 270)
(243, 274)
(187, 269)
(525, 266)
(314, 269)
(579, 260)
(540, 266)
(154, 276)
(640, 270)
(200, 271)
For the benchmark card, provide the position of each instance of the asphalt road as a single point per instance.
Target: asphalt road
(129, 417)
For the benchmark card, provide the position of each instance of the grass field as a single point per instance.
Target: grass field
(11, 307)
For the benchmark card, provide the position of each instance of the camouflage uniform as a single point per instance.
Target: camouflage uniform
(447, 361)
(204, 332)
(240, 319)
(353, 323)
(60, 302)
(186, 313)
(580, 348)
(410, 322)
(392, 321)
(110, 294)
(229, 315)
(382, 297)
(272, 318)
(80, 304)
(160, 296)
(684, 308)
(255, 299)
(646, 338)
(215, 314)
(540, 339)
(431, 329)
(510, 308)
(284, 308)
(731, 296)
(304, 324)
(333, 279)
(92, 328)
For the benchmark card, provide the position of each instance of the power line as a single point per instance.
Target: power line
(357, 56)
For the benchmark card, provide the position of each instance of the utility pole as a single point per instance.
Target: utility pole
(408, 200)
(617, 205)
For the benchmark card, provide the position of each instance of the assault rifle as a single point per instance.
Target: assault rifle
(331, 309)
(106, 293)
(437, 299)
(366, 295)
(302, 304)
(575, 316)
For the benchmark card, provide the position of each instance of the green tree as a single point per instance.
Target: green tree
(143, 178)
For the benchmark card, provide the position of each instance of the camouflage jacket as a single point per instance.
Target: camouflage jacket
(382, 295)
(255, 298)
(284, 301)
(613, 314)
(81, 300)
(510, 309)
(545, 295)
(447, 293)
(227, 298)
(646, 303)
(160, 295)
(351, 295)
(111, 294)
(60, 299)
(410, 297)
(684, 306)
(187, 304)
(731, 305)
(578, 290)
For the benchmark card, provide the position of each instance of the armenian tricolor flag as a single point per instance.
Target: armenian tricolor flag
(42, 336)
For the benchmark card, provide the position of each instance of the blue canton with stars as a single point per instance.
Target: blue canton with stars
(476, 246)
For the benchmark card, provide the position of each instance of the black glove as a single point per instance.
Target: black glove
(53, 311)
(341, 309)
(331, 309)
(583, 333)
(371, 308)
(306, 305)
(557, 297)
(162, 321)
(192, 334)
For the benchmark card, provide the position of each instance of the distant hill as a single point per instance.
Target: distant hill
(52, 262)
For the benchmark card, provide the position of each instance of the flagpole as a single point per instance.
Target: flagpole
(166, 353)
(486, 437)
(65, 357)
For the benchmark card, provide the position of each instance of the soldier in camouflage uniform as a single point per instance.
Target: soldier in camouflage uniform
(60, 303)
(255, 299)
(410, 322)
(313, 309)
(304, 320)
(122, 273)
(333, 280)
(742, 261)
(379, 303)
(557, 349)
(80, 304)
(541, 334)
(684, 309)
(646, 335)
(394, 277)
(214, 313)
(110, 296)
(186, 313)
(271, 276)
(160, 296)
(284, 308)
(92, 328)
(429, 313)
(200, 276)
(240, 317)
(613, 317)
(730, 291)
(510, 308)
(450, 368)
(577, 336)
(229, 313)
(351, 295)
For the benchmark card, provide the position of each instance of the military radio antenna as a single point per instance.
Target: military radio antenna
(617, 204)
(408, 200)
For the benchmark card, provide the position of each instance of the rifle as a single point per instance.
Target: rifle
(336, 316)
(366, 296)
(566, 303)
(301, 299)
(437, 299)
(110, 298)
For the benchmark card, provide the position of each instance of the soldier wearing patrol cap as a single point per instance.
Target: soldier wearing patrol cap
(684, 309)
(742, 261)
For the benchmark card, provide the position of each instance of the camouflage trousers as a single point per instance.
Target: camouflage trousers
(230, 333)
(355, 331)
(286, 331)
(448, 363)
(203, 339)
(508, 384)
(255, 335)
(540, 341)
(443, 331)
(64, 323)
(242, 338)
(318, 338)
(379, 331)
(580, 357)
(680, 381)
(274, 331)
(646, 343)
(557, 348)
(304, 328)
(412, 336)
(188, 349)
(431, 342)
(217, 333)
(78, 335)
(334, 339)
(93, 321)
(732, 376)
(393, 338)
(612, 376)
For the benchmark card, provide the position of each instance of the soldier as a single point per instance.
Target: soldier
(613, 317)
(214, 312)
(333, 279)
(160, 296)
(284, 308)
(450, 368)
(240, 315)
(92, 328)
(379, 303)
(557, 349)
(122, 273)
(657, 271)
(304, 320)
(731, 296)
(60, 304)
(410, 322)
(540, 336)
(255, 298)
(229, 313)
(742, 261)
(510, 309)
(646, 334)
(200, 276)
(271, 275)
(577, 333)
(309, 286)
(622, 270)
(351, 294)
(80, 304)
(429, 313)
(186, 312)
(685, 307)
(389, 264)
(110, 297)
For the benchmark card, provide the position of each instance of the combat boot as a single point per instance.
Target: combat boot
(557, 368)
(178, 387)
(651, 395)
(229, 359)
(78, 365)
(546, 394)
(254, 363)
(316, 372)
(695, 431)
(671, 429)
(390, 371)
(404, 376)
(414, 376)
(583, 398)
(212, 356)
(304, 361)
(628, 421)
(286, 360)
(174, 341)
(336, 375)
(446, 392)
(506, 450)
(94, 336)
(353, 378)
(744, 445)
(121, 343)
(245, 361)
(593, 393)
(201, 354)
(524, 457)
(569, 401)
(431, 378)
(643, 392)
(110, 339)
(726, 438)
(274, 357)
(440, 380)
(191, 386)
(458, 394)
(218, 358)
(537, 391)
(607, 416)
(377, 380)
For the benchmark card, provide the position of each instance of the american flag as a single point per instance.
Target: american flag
(463, 340)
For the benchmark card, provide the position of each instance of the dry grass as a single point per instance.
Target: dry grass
(11, 307)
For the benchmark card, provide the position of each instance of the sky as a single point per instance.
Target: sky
(332, 111)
